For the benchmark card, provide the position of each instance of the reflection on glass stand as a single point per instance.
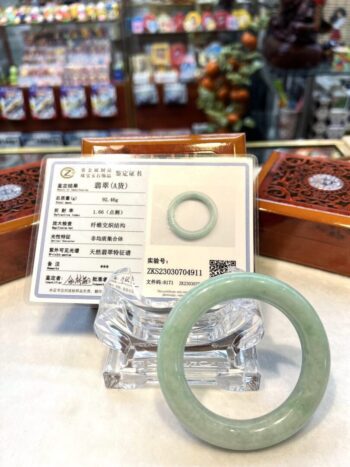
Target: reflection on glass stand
(220, 350)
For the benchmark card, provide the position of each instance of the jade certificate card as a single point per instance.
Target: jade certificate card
(172, 222)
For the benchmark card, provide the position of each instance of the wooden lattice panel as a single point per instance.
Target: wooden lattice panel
(18, 191)
(309, 182)
(304, 211)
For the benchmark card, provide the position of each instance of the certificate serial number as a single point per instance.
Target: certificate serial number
(175, 272)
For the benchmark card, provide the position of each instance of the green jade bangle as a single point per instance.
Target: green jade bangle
(192, 234)
(291, 415)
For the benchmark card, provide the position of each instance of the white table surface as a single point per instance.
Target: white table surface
(55, 410)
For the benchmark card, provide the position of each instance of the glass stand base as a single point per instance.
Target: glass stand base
(223, 368)
(220, 350)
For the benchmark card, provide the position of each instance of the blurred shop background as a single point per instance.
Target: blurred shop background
(82, 69)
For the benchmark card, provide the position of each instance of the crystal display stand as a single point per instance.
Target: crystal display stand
(220, 350)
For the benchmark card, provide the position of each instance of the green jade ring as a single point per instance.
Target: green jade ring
(192, 234)
(291, 415)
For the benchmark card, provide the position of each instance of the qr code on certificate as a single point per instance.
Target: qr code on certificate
(219, 266)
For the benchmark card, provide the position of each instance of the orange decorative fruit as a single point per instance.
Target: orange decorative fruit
(212, 69)
(207, 83)
(232, 118)
(223, 93)
(234, 63)
(249, 40)
(239, 95)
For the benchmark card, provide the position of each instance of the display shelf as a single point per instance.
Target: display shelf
(51, 12)
(60, 23)
(50, 36)
(186, 33)
(172, 4)
(324, 69)
(180, 4)
(60, 123)
(190, 3)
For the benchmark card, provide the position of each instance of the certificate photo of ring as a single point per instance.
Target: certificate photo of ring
(195, 208)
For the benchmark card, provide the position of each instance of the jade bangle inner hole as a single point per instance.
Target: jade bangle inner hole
(192, 215)
(279, 358)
